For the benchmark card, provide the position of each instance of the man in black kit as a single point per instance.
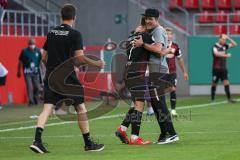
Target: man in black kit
(219, 70)
(135, 78)
(62, 44)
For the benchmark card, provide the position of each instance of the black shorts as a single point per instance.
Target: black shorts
(137, 86)
(219, 75)
(51, 97)
(172, 78)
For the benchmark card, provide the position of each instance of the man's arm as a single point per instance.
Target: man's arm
(232, 42)
(44, 57)
(80, 59)
(155, 48)
(182, 66)
(220, 54)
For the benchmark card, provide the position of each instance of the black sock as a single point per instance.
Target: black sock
(213, 91)
(136, 118)
(157, 111)
(87, 139)
(227, 91)
(127, 120)
(173, 99)
(38, 134)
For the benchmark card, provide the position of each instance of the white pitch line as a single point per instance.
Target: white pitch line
(179, 108)
(23, 122)
(205, 105)
(112, 135)
(112, 116)
(58, 123)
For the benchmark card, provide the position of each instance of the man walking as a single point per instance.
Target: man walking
(62, 44)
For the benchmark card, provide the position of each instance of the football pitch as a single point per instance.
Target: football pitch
(207, 131)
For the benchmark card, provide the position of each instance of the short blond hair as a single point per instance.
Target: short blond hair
(168, 29)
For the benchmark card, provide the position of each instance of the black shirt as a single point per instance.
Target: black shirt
(138, 57)
(220, 62)
(139, 54)
(61, 44)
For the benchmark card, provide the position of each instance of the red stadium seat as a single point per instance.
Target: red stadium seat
(191, 4)
(205, 18)
(236, 3)
(224, 4)
(174, 3)
(208, 4)
(221, 17)
(217, 30)
(236, 18)
(235, 29)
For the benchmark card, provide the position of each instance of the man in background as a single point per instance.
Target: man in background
(219, 67)
(176, 53)
(29, 60)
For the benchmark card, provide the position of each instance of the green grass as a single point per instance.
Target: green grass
(206, 133)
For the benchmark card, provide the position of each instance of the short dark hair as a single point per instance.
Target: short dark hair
(68, 12)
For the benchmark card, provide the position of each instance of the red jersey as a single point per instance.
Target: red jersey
(171, 58)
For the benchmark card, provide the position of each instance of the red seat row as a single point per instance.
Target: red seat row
(205, 4)
(234, 29)
(221, 17)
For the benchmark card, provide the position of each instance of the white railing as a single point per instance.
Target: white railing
(26, 23)
(227, 22)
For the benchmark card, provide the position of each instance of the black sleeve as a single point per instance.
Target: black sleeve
(20, 58)
(78, 42)
(178, 52)
(45, 46)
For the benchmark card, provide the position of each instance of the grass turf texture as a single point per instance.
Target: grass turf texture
(208, 132)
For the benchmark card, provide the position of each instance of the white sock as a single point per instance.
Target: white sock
(134, 137)
(150, 110)
(124, 128)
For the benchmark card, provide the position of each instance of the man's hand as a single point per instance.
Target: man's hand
(228, 55)
(224, 36)
(167, 51)
(185, 76)
(138, 42)
(100, 64)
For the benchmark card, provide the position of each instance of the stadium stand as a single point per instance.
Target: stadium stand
(208, 4)
(235, 29)
(205, 17)
(175, 3)
(219, 29)
(236, 16)
(236, 4)
(221, 16)
(191, 4)
(224, 4)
